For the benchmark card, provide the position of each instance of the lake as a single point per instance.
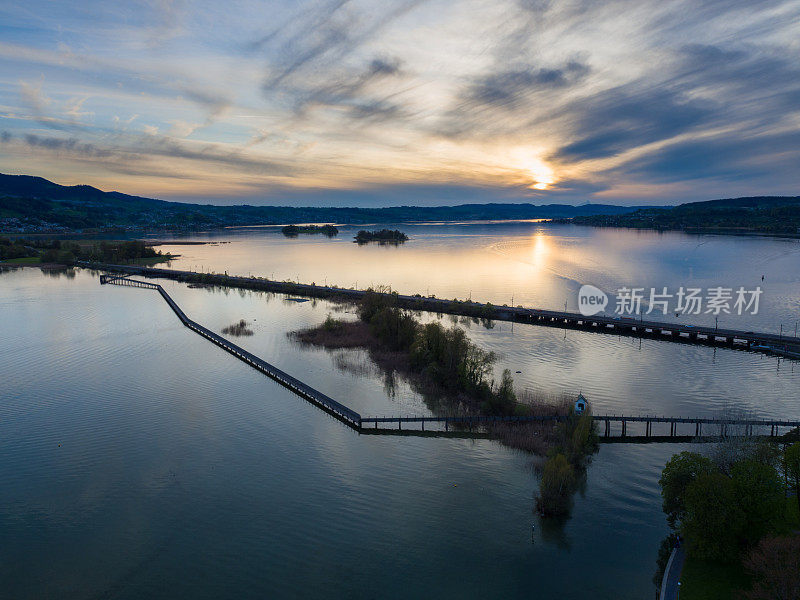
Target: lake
(139, 460)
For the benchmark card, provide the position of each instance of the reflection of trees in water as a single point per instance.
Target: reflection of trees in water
(360, 363)
(67, 272)
(467, 321)
(553, 531)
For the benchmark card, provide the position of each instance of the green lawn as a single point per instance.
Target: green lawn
(705, 580)
(27, 260)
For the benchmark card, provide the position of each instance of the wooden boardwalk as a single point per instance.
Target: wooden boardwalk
(454, 424)
(329, 405)
(715, 427)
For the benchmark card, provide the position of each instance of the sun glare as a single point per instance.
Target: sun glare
(542, 174)
(536, 169)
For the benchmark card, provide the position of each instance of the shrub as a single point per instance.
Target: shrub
(556, 487)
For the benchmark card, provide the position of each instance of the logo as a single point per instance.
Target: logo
(591, 300)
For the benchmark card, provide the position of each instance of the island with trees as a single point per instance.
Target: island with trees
(454, 377)
(383, 236)
(295, 230)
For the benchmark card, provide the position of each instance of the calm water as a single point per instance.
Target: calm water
(543, 265)
(536, 264)
(138, 460)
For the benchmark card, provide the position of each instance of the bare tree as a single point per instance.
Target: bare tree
(775, 566)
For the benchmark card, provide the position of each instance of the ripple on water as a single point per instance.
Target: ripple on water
(184, 473)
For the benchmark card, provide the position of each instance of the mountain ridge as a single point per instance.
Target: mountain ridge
(29, 203)
(32, 203)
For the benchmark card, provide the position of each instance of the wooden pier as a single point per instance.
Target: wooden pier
(456, 425)
(329, 405)
(715, 427)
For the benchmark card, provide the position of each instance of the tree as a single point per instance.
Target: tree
(736, 448)
(681, 470)
(505, 393)
(503, 400)
(583, 440)
(712, 518)
(555, 489)
(792, 463)
(775, 567)
(759, 494)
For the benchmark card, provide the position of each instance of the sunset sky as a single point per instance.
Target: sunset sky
(405, 102)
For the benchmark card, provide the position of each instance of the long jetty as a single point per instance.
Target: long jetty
(329, 405)
(361, 424)
(784, 345)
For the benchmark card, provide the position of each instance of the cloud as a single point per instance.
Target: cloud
(323, 36)
(67, 146)
(182, 129)
(109, 75)
(125, 148)
(713, 113)
(33, 97)
(619, 119)
(360, 92)
(604, 98)
(509, 89)
(731, 158)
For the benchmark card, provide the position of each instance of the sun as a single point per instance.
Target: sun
(534, 168)
(542, 174)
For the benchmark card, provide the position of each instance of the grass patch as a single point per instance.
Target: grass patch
(25, 260)
(707, 580)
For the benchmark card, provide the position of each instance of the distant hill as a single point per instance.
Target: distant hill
(36, 204)
(776, 215)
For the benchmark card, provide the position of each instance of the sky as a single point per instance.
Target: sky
(436, 102)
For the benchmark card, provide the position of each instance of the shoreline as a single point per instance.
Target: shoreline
(142, 234)
(734, 232)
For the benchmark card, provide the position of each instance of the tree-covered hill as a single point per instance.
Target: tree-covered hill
(758, 214)
(35, 204)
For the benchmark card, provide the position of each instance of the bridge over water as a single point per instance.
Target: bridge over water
(457, 424)
(784, 345)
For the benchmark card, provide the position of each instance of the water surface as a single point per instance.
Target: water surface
(139, 460)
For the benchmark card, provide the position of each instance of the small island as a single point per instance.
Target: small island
(455, 376)
(238, 329)
(384, 236)
(295, 230)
